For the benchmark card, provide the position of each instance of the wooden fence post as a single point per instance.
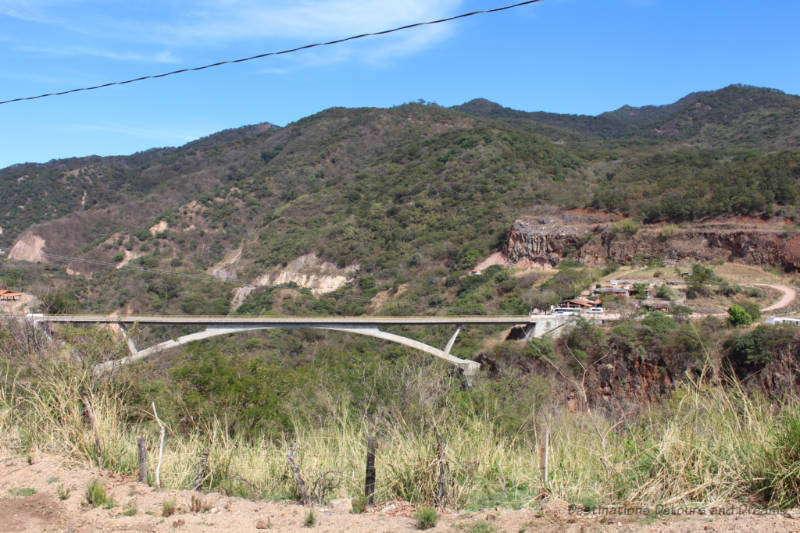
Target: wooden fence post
(440, 493)
(142, 459)
(160, 447)
(544, 456)
(202, 468)
(93, 422)
(369, 481)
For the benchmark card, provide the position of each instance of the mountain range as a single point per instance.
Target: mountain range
(406, 196)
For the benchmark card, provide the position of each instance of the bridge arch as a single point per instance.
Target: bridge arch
(469, 368)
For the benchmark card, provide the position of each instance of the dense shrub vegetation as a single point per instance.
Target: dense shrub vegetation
(248, 410)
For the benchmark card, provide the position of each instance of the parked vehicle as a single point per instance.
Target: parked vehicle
(565, 311)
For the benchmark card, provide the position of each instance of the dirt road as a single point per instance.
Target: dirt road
(47, 496)
(788, 295)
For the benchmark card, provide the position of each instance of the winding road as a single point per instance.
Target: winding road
(788, 295)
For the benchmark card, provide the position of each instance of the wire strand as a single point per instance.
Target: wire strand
(268, 54)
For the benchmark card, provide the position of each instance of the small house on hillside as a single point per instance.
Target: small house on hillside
(622, 292)
(580, 303)
(9, 296)
(657, 304)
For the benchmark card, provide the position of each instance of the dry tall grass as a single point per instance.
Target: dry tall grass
(705, 444)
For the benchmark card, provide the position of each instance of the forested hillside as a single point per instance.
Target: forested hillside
(413, 194)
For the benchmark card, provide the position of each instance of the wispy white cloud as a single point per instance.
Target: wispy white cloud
(163, 56)
(41, 11)
(298, 22)
(185, 25)
(378, 53)
(225, 20)
(205, 22)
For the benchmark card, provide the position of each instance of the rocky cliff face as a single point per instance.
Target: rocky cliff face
(595, 238)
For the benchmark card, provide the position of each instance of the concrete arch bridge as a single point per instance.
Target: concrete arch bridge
(532, 326)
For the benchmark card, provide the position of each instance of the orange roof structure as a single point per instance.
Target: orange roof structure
(580, 302)
(9, 296)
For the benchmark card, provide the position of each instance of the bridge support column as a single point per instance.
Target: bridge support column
(552, 325)
(128, 339)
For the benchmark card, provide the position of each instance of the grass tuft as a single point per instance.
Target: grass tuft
(23, 491)
(129, 509)
(310, 519)
(168, 507)
(359, 504)
(97, 496)
(426, 518)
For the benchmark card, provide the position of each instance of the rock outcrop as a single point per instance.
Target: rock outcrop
(311, 272)
(29, 247)
(597, 238)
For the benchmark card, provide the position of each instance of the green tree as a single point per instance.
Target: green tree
(640, 290)
(737, 316)
(699, 280)
(753, 309)
(60, 303)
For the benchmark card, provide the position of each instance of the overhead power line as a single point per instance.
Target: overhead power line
(268, 54)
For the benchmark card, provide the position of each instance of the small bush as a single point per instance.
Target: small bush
(63, 492)
(359, 505)
(753, 292)
(627, 225)
(667, 231)
(96, 495)
(481, 527)
(665, 292)
(168, 507)
(695, 290)
(198, 505)
(129, 509)
(541, 348)
(640, 290)
(681, 311)
(310, 519)
(726, 289)
(60, 303)
(752, 309)
(426, 517)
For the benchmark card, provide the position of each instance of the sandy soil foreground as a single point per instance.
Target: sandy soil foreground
(32, 499)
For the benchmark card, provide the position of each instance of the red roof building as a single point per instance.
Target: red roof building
(9, 296)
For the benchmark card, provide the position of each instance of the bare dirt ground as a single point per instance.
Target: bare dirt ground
(30, 501)
(20, 306)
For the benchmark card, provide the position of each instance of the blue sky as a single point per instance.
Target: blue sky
(568, 56)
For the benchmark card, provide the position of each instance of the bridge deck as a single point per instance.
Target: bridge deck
(289, 321)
